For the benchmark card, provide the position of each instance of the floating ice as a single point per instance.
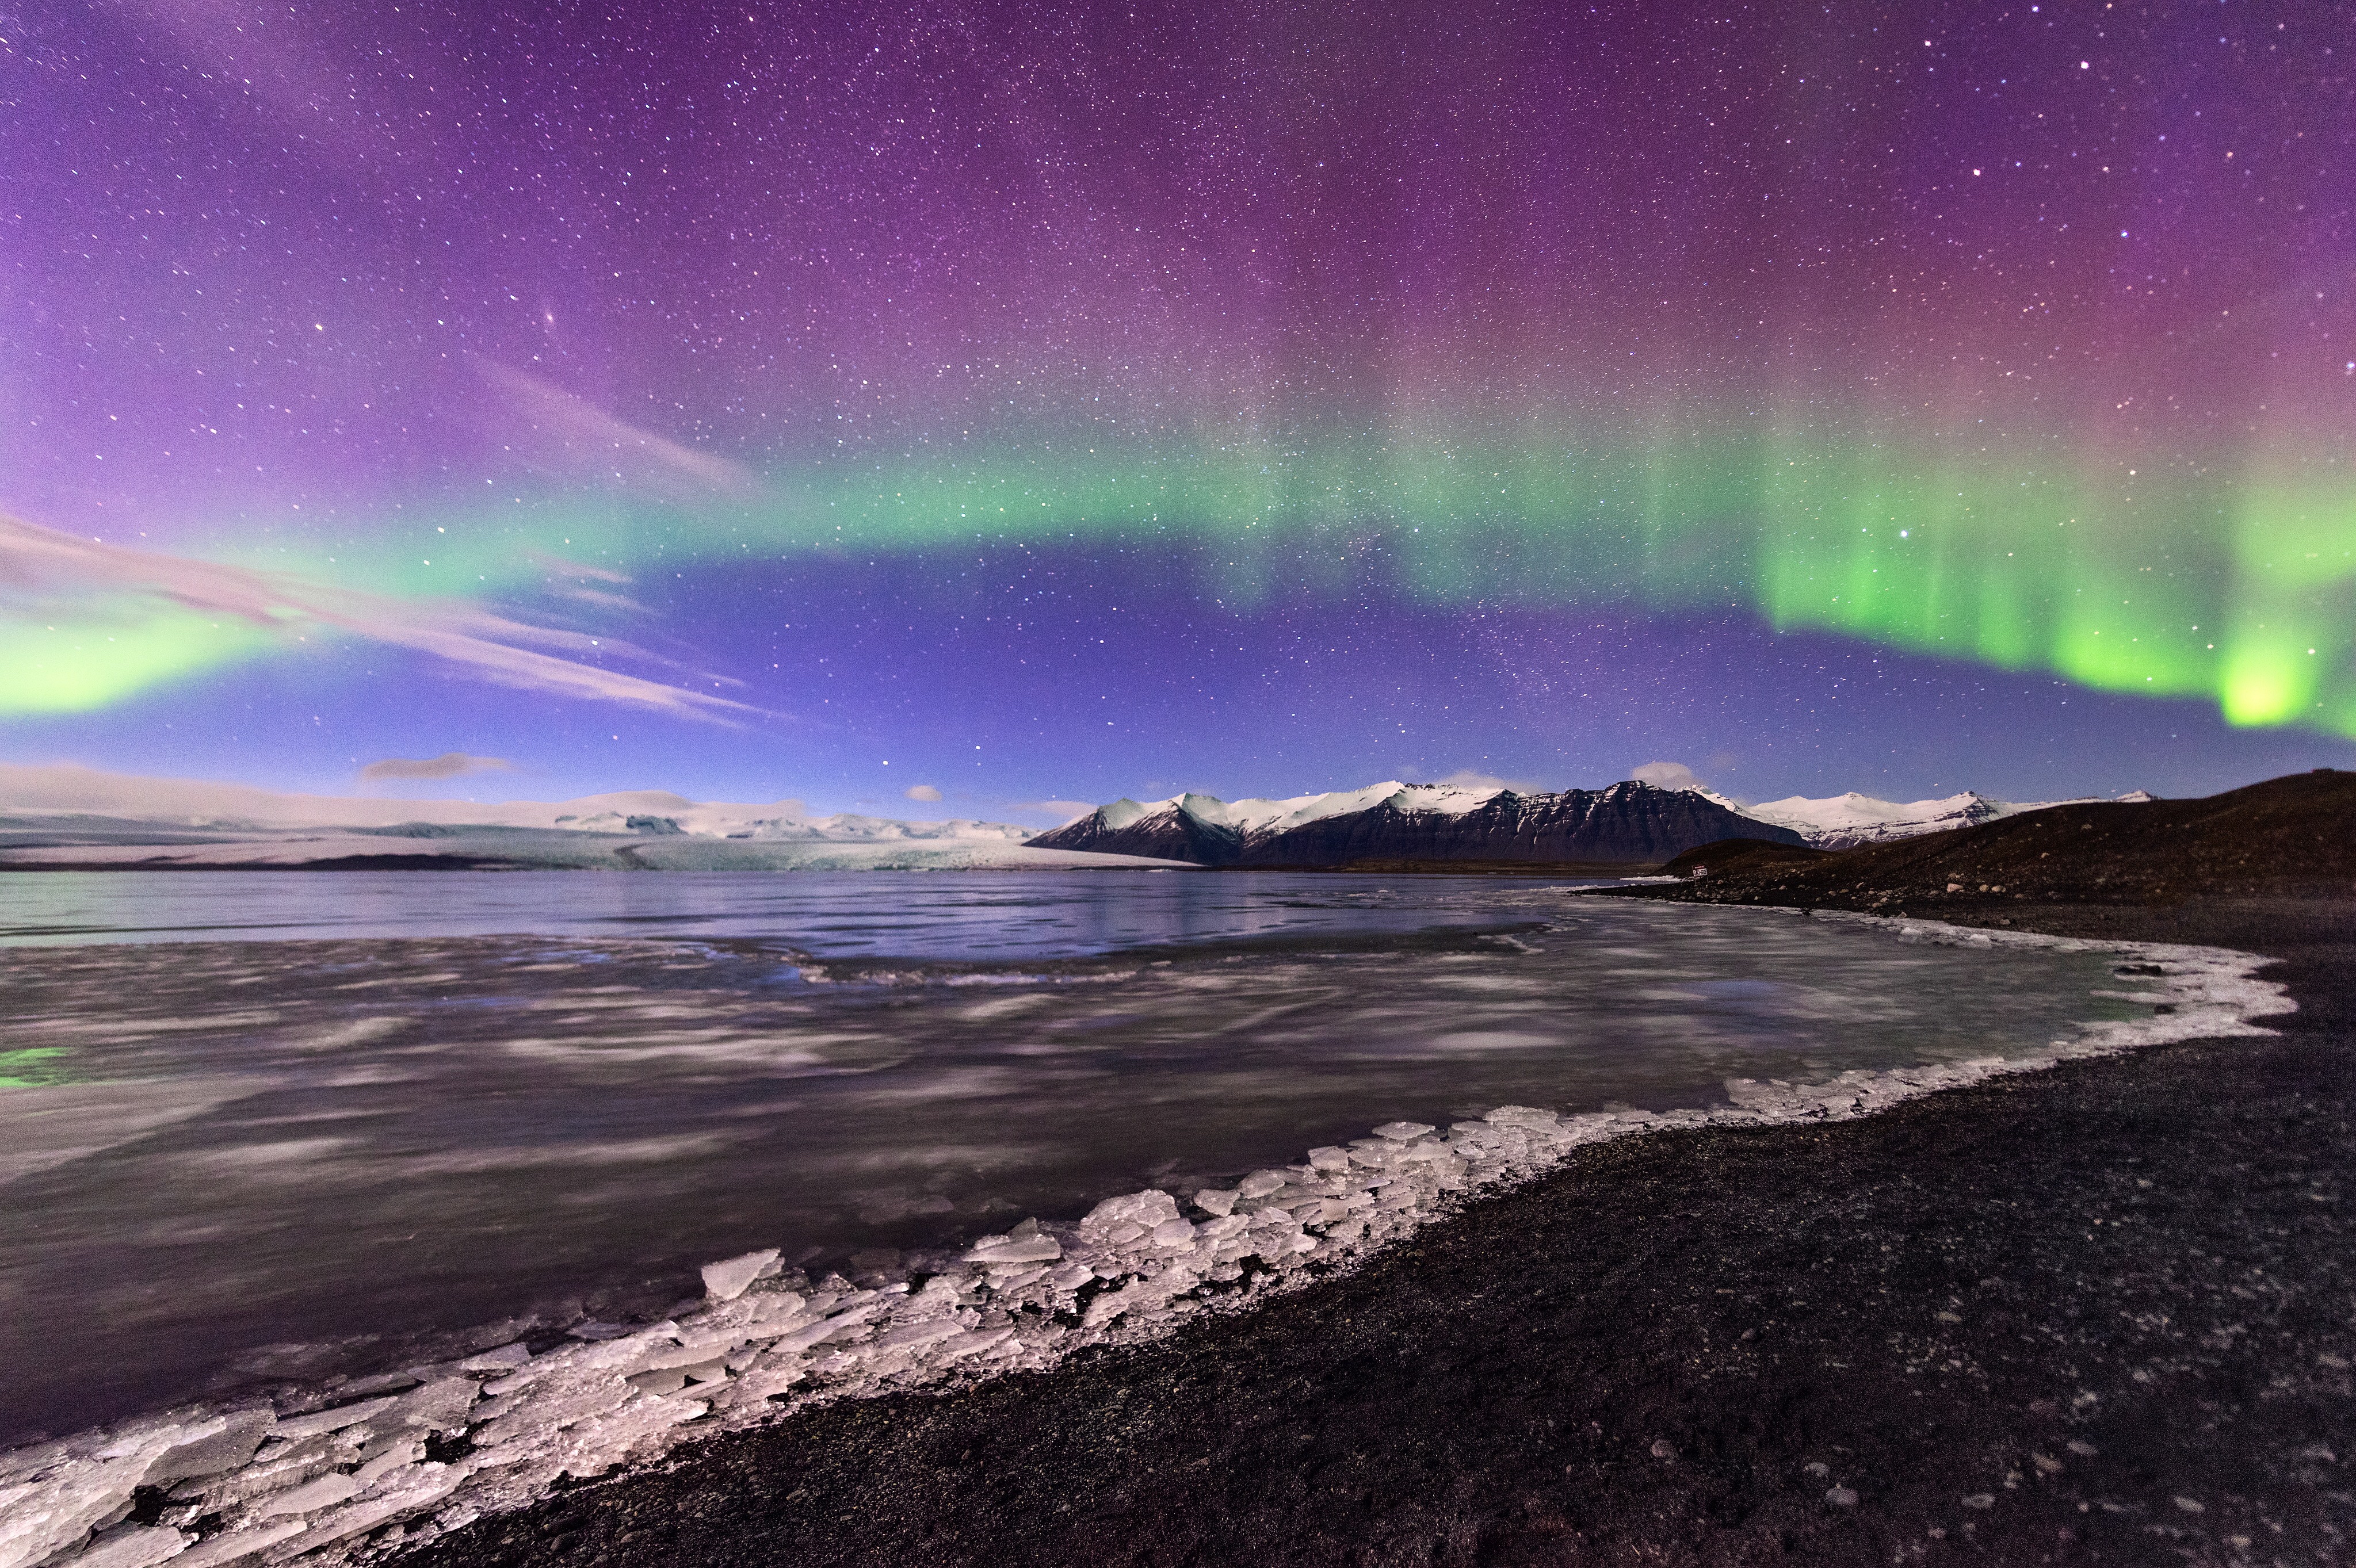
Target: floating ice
(1131, 1270)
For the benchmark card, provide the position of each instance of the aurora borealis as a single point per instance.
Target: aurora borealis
(1064, 402)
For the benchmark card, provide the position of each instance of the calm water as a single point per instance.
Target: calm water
(277, 1126)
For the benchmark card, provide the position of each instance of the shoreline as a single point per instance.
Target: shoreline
(1641, 1353)
(713, 1469)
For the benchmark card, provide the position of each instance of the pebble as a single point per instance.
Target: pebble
(1841, 1497)
(1980, 1499)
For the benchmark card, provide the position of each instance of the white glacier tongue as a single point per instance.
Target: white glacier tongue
(37, 793)
(1845, 821)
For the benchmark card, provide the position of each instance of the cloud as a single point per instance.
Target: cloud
(593, 441)
(448, 765)
(1667, 775)
(39, 567)
(922, 792)
(1470, 778)
(1061, 810)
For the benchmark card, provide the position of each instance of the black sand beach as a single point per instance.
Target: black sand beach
(2102, 1314)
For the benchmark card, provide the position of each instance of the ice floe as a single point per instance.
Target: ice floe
(430, 1448)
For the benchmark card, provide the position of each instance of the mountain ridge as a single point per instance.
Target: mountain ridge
(1629, 824)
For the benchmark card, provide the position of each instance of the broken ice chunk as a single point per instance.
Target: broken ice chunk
(303, 1426)
(917, 1335)
(506, 1358)
(399, 1456)
(727, 1280)
(1007, 1250)
(1143, 1210)
(549, 1414)
(1172, 1232)
(239, 1545)
(1217, 1201)
(601, 1330)
(768, 1382)
(1330, 1159)
(1401, 1132)
(1260, 1183)
(223, 1442)
(438, 1407)
(138, 1547)
(327, 1490)
(970, 1344)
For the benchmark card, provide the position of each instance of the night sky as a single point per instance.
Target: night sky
(1043, 403)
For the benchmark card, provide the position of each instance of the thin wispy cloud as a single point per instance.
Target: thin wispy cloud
(1472, 778)
(1061, 810)
(589, 441)
(448, 765)
(39, 567)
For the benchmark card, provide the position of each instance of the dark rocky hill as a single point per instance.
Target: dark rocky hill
(2290, 835)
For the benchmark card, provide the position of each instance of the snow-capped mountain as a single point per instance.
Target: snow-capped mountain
(1629, 824)
(1845, 821)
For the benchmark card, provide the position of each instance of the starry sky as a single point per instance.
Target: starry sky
(1031, 403)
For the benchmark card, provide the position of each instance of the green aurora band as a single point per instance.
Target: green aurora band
(2232, 580)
